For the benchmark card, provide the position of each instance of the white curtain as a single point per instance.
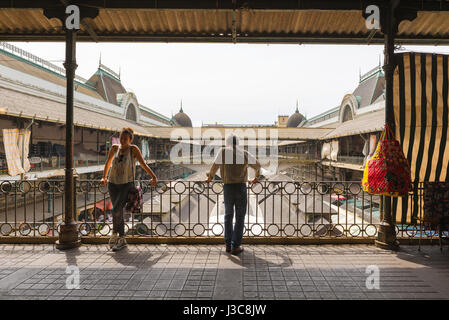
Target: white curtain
(326, 151)
(14, 141)
(334, 150)
(145, 149)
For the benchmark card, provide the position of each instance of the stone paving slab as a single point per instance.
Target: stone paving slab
(207, 272)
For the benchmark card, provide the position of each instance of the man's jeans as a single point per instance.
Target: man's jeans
(234, 195)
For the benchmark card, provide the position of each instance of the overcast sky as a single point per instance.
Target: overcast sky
(229, 83)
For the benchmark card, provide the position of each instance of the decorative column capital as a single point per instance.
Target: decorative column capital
(389, 67)
(386, 8)
(60, 12)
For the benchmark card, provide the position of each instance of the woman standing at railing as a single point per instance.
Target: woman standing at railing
(121, 180)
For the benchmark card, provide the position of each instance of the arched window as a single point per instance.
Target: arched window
(347, 114)
(131, 113)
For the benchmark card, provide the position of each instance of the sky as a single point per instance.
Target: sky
(229, 83)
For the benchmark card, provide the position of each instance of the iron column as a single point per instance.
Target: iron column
(386, 235)
(68, 235)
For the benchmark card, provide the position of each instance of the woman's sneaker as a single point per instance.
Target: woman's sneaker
(121, 243)
(113, 240)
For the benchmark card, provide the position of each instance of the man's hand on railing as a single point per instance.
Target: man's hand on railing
(253, 180)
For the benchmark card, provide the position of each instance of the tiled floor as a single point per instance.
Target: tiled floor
(208, 272)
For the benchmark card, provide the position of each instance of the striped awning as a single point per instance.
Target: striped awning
(421, 117)
(421, 113)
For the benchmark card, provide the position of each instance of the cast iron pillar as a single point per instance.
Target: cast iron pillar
(386, 235)
(391, 14)
(68, 233)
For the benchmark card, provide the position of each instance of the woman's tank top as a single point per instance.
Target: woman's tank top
(123, 166)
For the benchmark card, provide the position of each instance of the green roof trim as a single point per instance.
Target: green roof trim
(378, 74)
(372, 73)
(324, 113)
(100, 70)
(154, 113)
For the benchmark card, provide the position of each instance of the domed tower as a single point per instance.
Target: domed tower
(181, 119)
(295, 119)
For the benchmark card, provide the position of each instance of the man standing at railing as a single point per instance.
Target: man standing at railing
(233, 163)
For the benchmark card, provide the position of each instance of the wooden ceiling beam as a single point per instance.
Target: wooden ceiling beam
(304, 38)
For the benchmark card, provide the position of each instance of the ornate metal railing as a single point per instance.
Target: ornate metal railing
(196, 209)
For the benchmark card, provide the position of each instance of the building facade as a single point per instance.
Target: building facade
(32, 97)
(355, 127)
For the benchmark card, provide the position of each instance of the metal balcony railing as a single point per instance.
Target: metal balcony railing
(196, 209)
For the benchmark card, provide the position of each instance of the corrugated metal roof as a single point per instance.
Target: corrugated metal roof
(25, 105)
(208, 25)
(20, 104)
